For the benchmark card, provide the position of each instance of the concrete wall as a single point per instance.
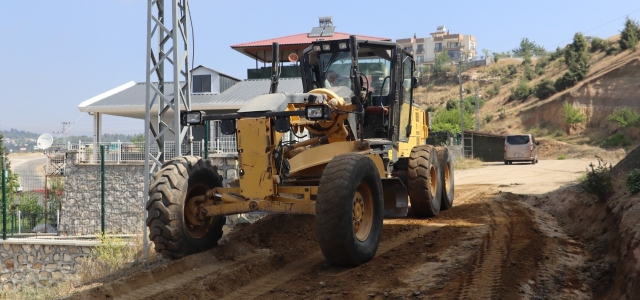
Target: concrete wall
(124, 188)
(41, 263)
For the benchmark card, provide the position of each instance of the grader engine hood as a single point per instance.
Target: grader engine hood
(280, 101)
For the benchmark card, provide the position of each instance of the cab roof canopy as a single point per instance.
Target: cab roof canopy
(261, 50)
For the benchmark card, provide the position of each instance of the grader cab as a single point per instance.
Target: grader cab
(360, 156)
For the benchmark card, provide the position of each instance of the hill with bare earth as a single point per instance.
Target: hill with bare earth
(613, 82)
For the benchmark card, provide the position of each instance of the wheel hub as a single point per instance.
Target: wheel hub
(362, 212)
(358, 208)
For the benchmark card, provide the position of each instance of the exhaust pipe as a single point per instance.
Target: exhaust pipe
(275, 70)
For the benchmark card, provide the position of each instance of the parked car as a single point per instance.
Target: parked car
(520, 147)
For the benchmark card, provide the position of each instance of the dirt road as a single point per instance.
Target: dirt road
(488, 246)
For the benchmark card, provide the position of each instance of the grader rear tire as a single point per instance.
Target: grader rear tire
(173, 226)
(424, 181)
(446, 173)
(349, 210)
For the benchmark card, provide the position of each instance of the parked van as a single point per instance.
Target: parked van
(520, 147)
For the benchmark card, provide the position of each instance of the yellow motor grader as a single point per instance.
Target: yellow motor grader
(360, 157)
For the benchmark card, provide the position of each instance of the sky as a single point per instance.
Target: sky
(56, 54)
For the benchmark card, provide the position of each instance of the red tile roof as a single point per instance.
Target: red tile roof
(304, 39)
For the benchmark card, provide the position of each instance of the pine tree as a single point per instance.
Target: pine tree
(629, 35)
(576, 57)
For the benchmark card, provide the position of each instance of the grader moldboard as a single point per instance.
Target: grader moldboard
(365, 157)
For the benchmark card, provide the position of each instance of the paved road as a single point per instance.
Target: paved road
(525, 178)
(30, 168)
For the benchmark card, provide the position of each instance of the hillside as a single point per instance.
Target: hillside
(611, 83)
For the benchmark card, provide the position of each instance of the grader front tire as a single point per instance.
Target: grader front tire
(446, 172)
(173, 226)
(424, 181)
(349, 210)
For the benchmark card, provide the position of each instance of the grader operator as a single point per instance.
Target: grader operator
(365, 158)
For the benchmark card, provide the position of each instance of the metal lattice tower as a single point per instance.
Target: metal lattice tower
(168, 84)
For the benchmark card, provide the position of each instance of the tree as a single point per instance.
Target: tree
(629, 35)
(625, 117)
(137, 138)
(13, 184)
(544, 89)
(441, 64)
(449, 121)
(527, 46)
(576, 58)
(485, 52)
(572, 116)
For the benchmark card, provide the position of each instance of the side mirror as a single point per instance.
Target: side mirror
(414, 82)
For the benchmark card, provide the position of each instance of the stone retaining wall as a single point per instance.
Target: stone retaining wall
(124, 188)
(41, 263)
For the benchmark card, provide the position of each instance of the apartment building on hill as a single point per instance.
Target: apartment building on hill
(425, 50)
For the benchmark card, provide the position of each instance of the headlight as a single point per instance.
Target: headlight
(317, 48)
(342, 46)
(192, 118)
(326, 47)
(317, 112)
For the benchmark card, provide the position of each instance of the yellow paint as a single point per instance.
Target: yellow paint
(419, 133)
(254, 157)
(322, 155)
(377, 160)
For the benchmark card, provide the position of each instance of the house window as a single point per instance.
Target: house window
(201, 83)
(438, 46)
(454, 54)
(408, 49)
(420, 48)
(453, 45)
(420, 59)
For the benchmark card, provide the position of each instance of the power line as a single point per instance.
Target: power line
(616, 19)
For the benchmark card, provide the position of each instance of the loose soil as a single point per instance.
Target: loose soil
(503, 239)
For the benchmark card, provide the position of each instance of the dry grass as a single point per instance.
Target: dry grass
(467, 163)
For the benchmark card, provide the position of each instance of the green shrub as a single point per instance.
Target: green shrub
(556, 54)
(502, 113)
(490, 93)
(512, 70)
(613, 51)
(529, 73)
(522, 91)
(488, 118)
(544, 89)
(625, 117)
(562, 157)
(598, 44)
(633, 181)
(566, 81)
(616, 140)
(452, 104)
(599, 181)
(572, 116)
(505, 80)
(449, 120)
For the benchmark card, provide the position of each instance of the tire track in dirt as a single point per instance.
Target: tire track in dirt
(265, 284)
(486, 277)
(154, 284)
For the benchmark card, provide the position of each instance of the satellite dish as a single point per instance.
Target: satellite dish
(45, 141)
(293, 57)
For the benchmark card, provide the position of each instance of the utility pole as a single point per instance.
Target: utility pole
(478, 108)
(461, 102)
